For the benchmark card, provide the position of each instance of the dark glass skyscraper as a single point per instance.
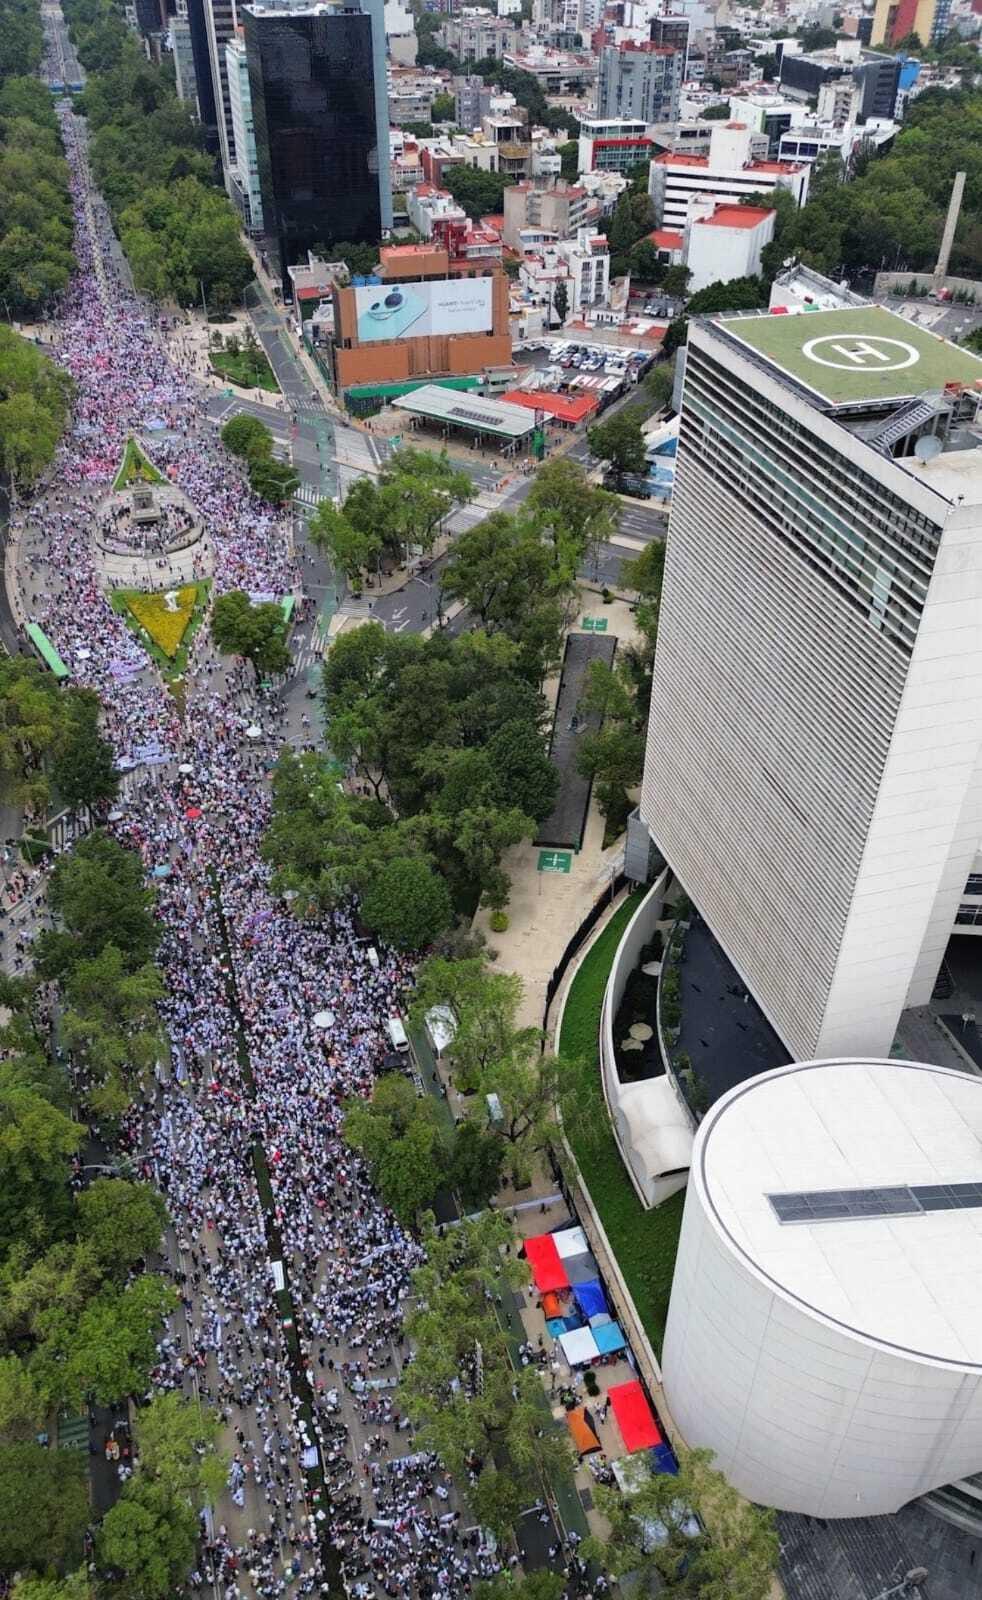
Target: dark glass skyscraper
(313, 80)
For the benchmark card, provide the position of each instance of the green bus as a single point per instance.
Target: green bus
(289, 605)
(47, 651)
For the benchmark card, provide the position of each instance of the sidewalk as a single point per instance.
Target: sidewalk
(547, 907)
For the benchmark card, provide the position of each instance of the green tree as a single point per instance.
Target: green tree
(32, 725)
(533, 1586)
(98, 893)
(150, 1537)
(21, 1406)
(569, 155)
(44, 1508)
(444, 108)
(620, 442)
(570, 513)
(408, 905)
(84, 771)
(417, 489)
(351, 549)
(646, 264)
(272, 480)
(676, 281)
(120, 1222)
(497, 1423)
(37, 1142)
(75, 1587)
(484, 1002)
(560, 301)
(246, 436)
(257, 632)
(717, 113)
(732, 1557)
(34, 393)
(176, 1441)
(110, 1019)
(480, 193)
(106, 1353)
(474, 1165)
(645, 575)
(400, 1136)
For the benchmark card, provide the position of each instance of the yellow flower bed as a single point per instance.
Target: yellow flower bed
(165, 626)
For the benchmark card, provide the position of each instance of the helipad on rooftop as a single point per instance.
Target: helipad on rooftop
(855, 353)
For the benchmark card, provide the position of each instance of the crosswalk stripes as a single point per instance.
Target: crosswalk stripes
(308, 495)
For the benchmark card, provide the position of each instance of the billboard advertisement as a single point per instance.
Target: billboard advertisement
(414, 310)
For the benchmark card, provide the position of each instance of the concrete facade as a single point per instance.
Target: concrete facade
(814, 761)
(833, 1366)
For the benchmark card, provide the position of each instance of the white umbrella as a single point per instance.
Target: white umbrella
(83, 655)
(254, 732)
(185, 767)
(324, 1019)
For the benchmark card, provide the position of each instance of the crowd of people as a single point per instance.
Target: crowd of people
(165, 523)
(253, 1085)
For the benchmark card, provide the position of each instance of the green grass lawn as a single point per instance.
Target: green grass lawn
(172, 667)
(135, 468)
(644, 1242)
(248, 368)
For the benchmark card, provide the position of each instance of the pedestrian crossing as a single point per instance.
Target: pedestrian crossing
(315, 406)
(307, 494)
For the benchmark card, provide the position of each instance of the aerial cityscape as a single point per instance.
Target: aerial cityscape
(491, 773)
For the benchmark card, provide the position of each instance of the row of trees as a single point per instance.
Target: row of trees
(50, 743)
(35, 396)
(252, 442)
(445, 739)
(413, 1151)
(36, 258)
(80, 1304)
(180, 232)
(384, 521)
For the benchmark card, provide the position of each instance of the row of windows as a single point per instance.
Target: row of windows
(877, 549)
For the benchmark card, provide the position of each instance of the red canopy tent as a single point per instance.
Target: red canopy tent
(635, 1418)
(548, 1271)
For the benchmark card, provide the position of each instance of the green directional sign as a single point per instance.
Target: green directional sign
(594, 624)
(555, 860)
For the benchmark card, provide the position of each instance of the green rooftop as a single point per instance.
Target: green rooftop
(857, 353)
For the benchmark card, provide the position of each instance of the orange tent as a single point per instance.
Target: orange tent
(583, 1435)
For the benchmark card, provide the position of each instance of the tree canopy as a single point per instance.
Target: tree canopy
(731, 1557)
(35, 395)
(180, 232)
(428, 726)
(36, 258)
(255, 630)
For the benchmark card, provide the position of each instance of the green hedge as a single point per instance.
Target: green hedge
(644, 1242)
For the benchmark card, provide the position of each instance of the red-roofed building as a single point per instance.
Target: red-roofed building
(725, 242)
(669, 244)
(734, 170)
(571, 408)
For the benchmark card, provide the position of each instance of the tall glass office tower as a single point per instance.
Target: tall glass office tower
(814, 763)
(320, 110)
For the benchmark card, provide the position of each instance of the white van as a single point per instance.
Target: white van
(397, 1035)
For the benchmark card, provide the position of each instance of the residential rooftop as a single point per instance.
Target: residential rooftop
(855, 353)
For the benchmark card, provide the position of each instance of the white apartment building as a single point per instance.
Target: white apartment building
(476, 35)
(427, 204)
(400, 33)
(244, 175)
(733, 170)
(725, 242)
(582, 263)
(814, 764)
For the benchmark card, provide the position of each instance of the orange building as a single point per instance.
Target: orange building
(432, 310)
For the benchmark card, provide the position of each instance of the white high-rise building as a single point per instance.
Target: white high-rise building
(245, 174)
(814, 763)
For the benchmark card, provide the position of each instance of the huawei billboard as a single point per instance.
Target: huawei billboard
(417, 310)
